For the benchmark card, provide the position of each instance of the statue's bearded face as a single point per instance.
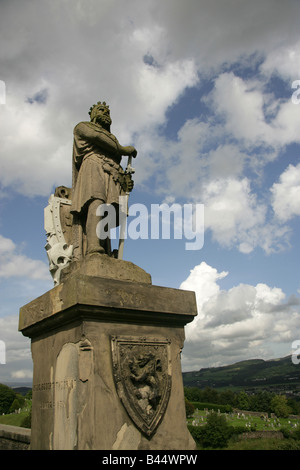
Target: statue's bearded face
(103, 117)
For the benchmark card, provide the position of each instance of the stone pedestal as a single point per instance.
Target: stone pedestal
(106, 355)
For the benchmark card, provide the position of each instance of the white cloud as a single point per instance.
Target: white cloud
(284, 60)
(232, 213)
(226, 161)
(159, 87)
(59, 57)
(203, 281)
(218, 32)
(22, 374)
(243, 108)
(235, 214)
(243, 322)
(81, 52)
(15, 264)
(253, 116)
(39, 135)
(48, 94)
(286, 194)
(18, 354)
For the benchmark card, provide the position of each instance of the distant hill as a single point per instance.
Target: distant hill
(274, 374)
(255, 373)
(22, 390)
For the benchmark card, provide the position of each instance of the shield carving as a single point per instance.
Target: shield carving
(58, 226)
(142, 373)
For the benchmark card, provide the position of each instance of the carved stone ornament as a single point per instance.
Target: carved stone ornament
(142, 373)
(58, 227)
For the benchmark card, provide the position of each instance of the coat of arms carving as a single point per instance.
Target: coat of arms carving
(142, 373)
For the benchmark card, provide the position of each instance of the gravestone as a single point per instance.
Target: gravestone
(105, 341)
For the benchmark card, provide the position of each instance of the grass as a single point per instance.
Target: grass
(16, 419)
(257, 423)
(256, 444)
(249, 444)
(249, 422)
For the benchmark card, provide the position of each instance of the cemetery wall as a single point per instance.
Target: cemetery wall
(262, 435)
(14, 438)
(257, 414)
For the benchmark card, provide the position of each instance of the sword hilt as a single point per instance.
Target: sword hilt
(129, 169)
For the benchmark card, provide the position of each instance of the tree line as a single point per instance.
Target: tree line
(10, 400)
(262, 401)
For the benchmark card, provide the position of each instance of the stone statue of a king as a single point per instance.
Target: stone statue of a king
(98, 178)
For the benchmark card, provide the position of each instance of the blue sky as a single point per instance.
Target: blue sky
(203, 89)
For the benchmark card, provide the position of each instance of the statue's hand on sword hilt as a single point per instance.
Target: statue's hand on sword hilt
(129, 169)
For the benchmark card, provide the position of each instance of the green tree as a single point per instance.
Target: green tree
(294, 405)
(189, 408)
(227, 397)
(7, 396)
(216, 432)
(26, 423)
(280, 407)
(261, 401)
(14, 406)
(21, 400)
(192, 393)
(243, 401)
(210, 395)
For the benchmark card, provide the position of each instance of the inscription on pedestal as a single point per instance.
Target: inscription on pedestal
(44, 392)
(65, 417)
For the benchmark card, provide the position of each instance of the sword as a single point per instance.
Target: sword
(129, 171)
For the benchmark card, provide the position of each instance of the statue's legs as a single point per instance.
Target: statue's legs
(93, 243)
(77, 238)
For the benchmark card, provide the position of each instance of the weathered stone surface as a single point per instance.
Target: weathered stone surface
(14, 437)
(58, 227)
(65, 404)
(97, 178)
(89, 403)
(71, 219)
(142, 371)
(101, 265)
(106, 299)
(77, 403)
